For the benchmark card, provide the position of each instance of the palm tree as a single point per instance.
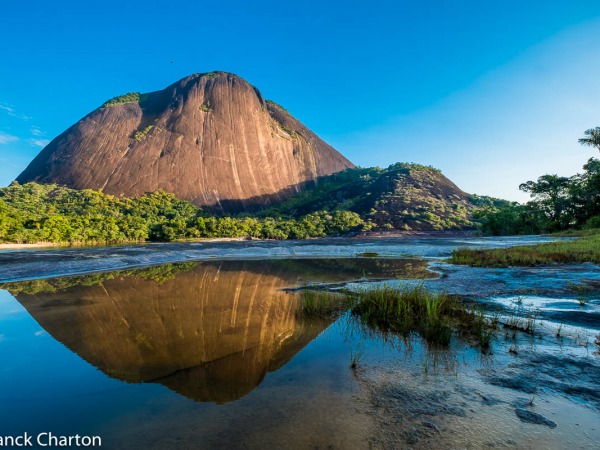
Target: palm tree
(592, 138)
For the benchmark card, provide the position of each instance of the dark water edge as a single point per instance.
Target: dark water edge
(212, 354)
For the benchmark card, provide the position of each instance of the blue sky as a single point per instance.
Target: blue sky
(494, 93)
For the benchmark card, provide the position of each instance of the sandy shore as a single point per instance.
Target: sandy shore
(26, 246)
(12, 246)
(364, 235)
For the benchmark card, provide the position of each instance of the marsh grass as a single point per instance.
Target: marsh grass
(519, 320)
(433, 315)
(323, 304)
(581, 250)
(356, 356)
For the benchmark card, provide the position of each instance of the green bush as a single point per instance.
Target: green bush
(125, 98)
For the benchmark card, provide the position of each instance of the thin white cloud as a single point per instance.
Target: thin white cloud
(39, 142)
(6, 138)
(13, 112)
(36, 131)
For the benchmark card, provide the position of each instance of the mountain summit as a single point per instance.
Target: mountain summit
(209, 138)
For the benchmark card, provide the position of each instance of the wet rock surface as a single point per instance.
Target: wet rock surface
(572, 376)
(535, 418)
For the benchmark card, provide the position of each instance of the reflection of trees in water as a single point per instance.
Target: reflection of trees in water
(344, 269)
(325, 269)
(211, 332)
(159, 274)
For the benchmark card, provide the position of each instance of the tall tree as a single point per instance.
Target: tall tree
(592, 138)
(551, 195)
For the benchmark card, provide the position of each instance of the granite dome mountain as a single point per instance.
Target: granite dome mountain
(209, 138)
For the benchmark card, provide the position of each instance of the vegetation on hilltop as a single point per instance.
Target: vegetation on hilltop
(272, 103)
(401, 197)
(125, 98)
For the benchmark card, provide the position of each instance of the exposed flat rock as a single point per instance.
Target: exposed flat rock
(534, 418)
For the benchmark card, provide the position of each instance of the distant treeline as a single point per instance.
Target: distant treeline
(34, 212)
(558, 204)
(399, 197)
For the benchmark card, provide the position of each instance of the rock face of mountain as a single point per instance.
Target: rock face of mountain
(209, 138)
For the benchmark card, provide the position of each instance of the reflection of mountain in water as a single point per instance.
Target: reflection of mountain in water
(208, 331)
(211, 333)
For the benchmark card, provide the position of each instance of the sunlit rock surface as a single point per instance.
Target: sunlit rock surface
(208, 138)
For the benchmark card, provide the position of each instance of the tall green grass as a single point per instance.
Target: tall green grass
(584, 249)
(433, 315)
(322, 304)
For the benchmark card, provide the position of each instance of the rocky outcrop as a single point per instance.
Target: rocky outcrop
(209, 138)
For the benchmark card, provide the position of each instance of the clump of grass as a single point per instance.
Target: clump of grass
(515, 322)
(483, 329)
(584, 249)
(141, 135)
(322, 304)
(530, 325)
(356, 356)
(205, 107)
(433, 315)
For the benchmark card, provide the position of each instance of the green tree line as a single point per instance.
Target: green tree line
(34, 212)
(557, 203)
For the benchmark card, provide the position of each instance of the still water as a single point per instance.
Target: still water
(214, 354)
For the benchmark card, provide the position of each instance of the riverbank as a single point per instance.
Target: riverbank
(362, 235)
(28, 246)
(584, 249)
(16, 265)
